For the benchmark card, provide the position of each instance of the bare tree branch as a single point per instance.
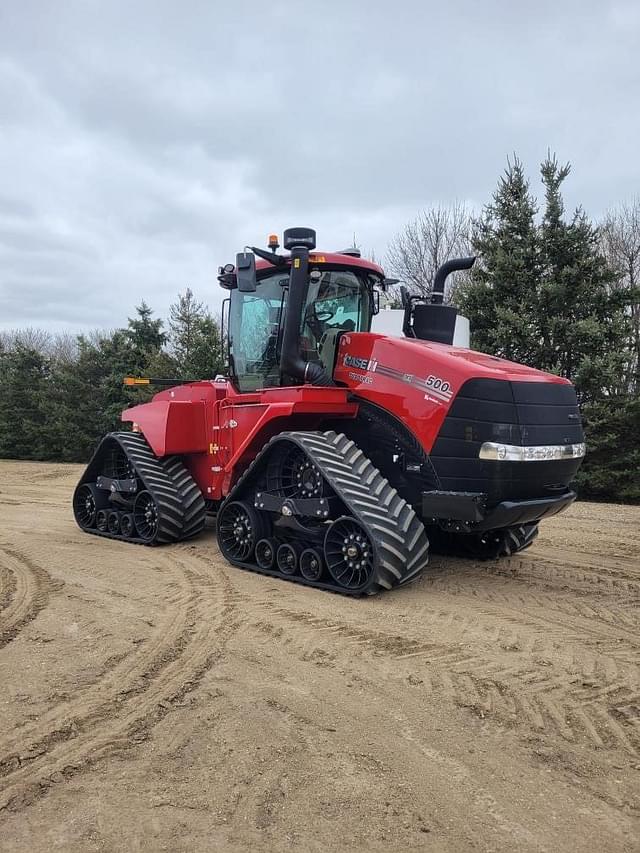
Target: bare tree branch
(435, 235)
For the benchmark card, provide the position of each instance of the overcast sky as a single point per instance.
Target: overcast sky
(144, 143)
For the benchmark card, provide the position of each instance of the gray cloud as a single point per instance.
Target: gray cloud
(142, 144)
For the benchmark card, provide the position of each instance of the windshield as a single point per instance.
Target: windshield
(335, 300)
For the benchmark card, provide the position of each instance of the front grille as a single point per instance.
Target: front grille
(520, 413)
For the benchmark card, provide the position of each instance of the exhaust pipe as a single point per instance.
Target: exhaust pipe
(299, 241)
(455, 264)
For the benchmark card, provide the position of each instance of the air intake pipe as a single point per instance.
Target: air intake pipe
(455, 264)
(299, 241)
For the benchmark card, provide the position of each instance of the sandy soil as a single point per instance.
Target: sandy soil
(158, 699)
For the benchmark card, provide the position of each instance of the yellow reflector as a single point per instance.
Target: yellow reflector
(133, 380)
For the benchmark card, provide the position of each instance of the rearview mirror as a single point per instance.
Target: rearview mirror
(246, 271)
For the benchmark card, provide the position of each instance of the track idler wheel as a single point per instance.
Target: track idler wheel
(86, 501)
(145, 516)
(311, 564)
(266, 553)
(349, 553)
(240, 528)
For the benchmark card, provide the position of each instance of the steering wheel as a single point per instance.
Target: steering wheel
(323, 316)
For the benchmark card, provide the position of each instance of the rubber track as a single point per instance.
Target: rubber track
(398, 534)
(181, 507)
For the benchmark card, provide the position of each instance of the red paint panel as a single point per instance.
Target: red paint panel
(171, 426)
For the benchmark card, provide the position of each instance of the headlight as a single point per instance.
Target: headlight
(536, 453)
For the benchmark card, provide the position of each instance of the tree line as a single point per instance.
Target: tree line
(554, 291)
(549, 289)
(60, 394)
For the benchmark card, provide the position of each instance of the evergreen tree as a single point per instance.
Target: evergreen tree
(145, 337)
(581, 317)
(612, 468)
(195, 339)
(207, 357)
(25, 427)
(500, 297)
(89, 393)
(185, 315)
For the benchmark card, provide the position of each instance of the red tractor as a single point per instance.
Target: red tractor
(334, 456)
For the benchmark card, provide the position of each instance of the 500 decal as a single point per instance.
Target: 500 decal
(437, 384)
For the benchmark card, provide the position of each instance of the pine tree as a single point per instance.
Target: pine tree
(206, 356)
(25, 427)
(500, 297)
(185, 315)
(581, 317)
(89, 393)
(145, 337)
(195, 338)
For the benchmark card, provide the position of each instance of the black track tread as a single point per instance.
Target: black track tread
(398, 534)
(193, 503)
(181, 507)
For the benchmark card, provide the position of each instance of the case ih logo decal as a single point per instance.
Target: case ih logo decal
(360, 363)
(435, 387)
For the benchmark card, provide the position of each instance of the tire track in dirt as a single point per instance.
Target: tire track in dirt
(29, 587)
(115, 714)
(587, 695)
(607, 583)
(120, 677)
(7, 587)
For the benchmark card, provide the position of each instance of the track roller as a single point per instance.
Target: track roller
(113, 522)
(127, 525)
(311, 564)
(102, 520)
(266, 553)
(288, 556)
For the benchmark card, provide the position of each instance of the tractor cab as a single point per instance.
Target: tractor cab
(311, 295)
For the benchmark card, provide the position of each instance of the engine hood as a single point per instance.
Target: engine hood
(417, 381)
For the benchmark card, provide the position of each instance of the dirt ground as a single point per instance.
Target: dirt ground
(158, 699)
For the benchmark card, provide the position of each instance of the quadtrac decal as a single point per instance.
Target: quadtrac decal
(435, 387)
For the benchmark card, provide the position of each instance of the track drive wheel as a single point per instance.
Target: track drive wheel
(349, 553)
(240, 528)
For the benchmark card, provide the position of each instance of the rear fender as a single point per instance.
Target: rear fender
(171, 426)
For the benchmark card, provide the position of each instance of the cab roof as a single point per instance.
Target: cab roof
(333, 259)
